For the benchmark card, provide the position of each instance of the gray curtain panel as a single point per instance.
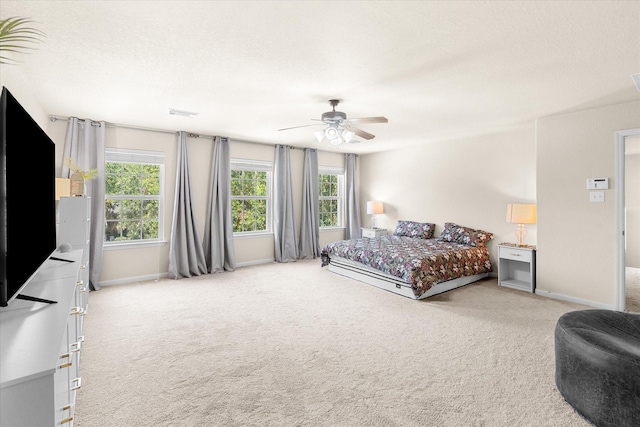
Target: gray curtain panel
(284, 228)
(309, 245)
(218, 233)
(352, 210)
(186, 256)
(84, 143)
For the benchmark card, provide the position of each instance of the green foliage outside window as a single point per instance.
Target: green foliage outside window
(132, 202)
(249, 200)
(329, 190)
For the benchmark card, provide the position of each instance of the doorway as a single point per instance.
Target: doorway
(628, 220)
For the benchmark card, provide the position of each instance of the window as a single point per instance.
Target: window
(133, 196)
(251, 196)
(331, 192)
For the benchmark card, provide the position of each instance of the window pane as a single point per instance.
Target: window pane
(149, 209)
(112, 209)
(131, 185)
(150, 229)
(131, 209)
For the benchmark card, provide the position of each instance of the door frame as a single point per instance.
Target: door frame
(621, 292)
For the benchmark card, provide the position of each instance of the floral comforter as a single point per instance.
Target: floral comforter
(422, 263)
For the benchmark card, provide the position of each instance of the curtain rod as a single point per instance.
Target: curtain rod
(53, 118)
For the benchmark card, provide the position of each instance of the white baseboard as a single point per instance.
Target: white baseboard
(166, 274)
(574, 300)
(133, 279)
(260, 261)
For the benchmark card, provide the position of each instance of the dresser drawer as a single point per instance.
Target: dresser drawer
(516, 254)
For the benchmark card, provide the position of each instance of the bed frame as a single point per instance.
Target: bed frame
(389, 283)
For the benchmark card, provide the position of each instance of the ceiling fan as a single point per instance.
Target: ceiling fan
(338, 128)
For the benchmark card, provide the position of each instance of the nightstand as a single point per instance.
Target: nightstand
(517, 266)
(373, 232)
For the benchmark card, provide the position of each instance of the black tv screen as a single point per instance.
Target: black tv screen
(27, 198)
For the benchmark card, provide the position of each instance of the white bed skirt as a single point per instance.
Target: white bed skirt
(389, 283)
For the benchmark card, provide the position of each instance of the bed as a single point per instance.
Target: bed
(410, 262)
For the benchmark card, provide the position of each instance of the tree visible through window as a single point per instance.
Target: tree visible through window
(132, 200)
(250, 198)
(330, 203)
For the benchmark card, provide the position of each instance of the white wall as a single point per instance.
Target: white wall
(467, 181)
(13, 79)
(576, 238)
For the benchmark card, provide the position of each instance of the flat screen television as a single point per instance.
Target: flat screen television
(27, 199)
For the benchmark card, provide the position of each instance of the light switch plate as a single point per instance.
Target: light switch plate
(596, 196)
(597, 183)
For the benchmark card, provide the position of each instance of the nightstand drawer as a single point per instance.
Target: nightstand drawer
(374, 232)
(515, 254)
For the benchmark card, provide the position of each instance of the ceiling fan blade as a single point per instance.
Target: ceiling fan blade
(303, 126)
(360, 132)
(379, 119)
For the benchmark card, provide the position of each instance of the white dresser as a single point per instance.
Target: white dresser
(40, 346)
(74, 228)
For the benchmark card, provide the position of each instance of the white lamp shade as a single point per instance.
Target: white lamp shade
(521, 213)
(374, 208)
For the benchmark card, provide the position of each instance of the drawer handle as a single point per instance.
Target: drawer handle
(82, 267)
(65, 365)
(514, 254)
(79, 282)
(76, 347)
(77, 311)
(78, 382)
(66, 420)
(66, 407)
(82, 289)
(64, 356)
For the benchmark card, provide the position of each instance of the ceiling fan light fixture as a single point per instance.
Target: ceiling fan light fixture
(347, 135)
(331, 133)
(319, 134)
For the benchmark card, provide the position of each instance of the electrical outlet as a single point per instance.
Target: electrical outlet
(596, 196)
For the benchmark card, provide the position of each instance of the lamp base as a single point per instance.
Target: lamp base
(521, 233)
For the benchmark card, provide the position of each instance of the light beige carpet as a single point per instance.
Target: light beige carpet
(296, 345)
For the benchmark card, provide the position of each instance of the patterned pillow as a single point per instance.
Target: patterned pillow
(464, 235)
(419, 230)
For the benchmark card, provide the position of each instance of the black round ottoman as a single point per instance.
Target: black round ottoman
(598, 365)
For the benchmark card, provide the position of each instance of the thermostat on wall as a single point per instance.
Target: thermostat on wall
(597, 183)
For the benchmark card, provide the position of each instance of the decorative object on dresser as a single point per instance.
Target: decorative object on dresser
(517, 266)
(373, 209)
(521, 214)
(79, 176)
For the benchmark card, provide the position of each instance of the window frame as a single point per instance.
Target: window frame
(125, 155)
(255, 166)
(339, 172)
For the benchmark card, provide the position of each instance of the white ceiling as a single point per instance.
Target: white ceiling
(436, 69)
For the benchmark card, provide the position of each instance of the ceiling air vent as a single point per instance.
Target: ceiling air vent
(182, 113)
